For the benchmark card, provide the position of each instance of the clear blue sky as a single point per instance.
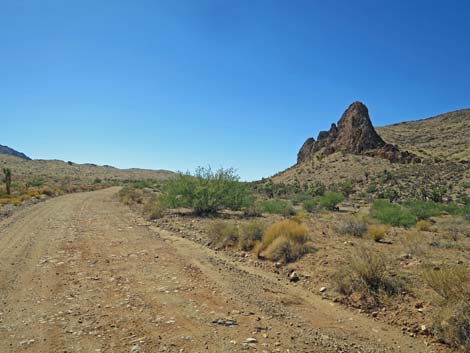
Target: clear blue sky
(180, 83)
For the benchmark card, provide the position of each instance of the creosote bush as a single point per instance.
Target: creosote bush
(392, 214)
(207, 192)
(284, 241)
(330, 200)
(277, 206)
(310, 205)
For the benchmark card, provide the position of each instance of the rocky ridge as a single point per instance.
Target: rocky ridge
(11, 152)
(354, 134)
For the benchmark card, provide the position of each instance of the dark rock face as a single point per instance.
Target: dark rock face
(353, 134)
(12, 152)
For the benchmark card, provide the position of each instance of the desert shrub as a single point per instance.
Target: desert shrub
(423, 225)
(284, 241)
(414, 243)
(223, 234)
(353, 227)
(452, 285)
(154, 209)
(346, 187)
(127, 195)
(393, 214)
(454, 229)
(254, 210)
(317, 189)
(366, 273)
(250, 234)
(310, 205)
(277, 206)
(466, 212)
(299, 198)
(207, 192)
(425, 209)
(372, 188)
(36, 182)
(47, 191)
(377, 231)
(299, 217)
(330, 200)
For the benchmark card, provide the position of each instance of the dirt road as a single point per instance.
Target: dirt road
(81, 273)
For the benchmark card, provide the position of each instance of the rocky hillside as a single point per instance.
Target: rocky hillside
(11, 152)
(433, 156)
(446, 136)
(353, 134)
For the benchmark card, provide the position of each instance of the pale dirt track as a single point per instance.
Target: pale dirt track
(81, 273)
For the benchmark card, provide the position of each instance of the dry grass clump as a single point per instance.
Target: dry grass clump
(424, 225)
(377, 231)
(284, 241)
(130, 196)
(224, 234)
(455, 228)
(452, 323)
(154, 209)
(353, 227)
(366, 274)
(414, 244)
(250, 234)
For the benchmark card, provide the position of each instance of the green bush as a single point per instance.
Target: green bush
(425, 209)
(317, 189)
(466, 212)
(330, 200)
(36, 182)
(310, 205)
(393, 214)
(277, 206)
(207, 192)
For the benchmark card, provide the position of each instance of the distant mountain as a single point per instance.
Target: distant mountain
(11, 152)
(40, 168)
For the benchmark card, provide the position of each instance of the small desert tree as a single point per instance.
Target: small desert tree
(207, 192)
(7, 172)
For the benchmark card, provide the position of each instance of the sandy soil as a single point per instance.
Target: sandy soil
(82, 273)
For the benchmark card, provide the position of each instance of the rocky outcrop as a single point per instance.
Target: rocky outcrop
(11, 152)
(353, 134)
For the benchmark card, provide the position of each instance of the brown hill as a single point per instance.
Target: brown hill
(60, 169)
